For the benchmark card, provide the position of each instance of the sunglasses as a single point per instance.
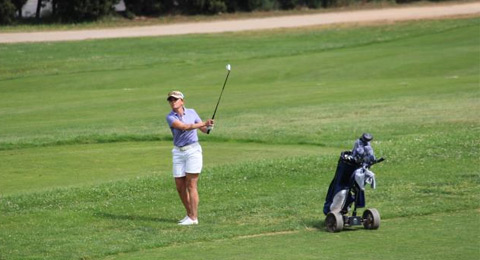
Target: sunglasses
(172, 99)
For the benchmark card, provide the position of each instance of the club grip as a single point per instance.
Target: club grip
(209, 128)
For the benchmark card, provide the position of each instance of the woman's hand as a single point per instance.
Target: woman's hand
(209, 123)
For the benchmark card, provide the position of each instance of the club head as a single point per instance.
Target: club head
(229, 67)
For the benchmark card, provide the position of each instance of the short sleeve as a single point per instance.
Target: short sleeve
(170, 119)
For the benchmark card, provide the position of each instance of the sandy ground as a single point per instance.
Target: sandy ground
(361, 16)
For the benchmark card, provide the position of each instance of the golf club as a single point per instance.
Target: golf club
(220, 97)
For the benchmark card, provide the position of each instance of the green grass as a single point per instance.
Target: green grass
(43, 168)
(85, 149)
(447, 242)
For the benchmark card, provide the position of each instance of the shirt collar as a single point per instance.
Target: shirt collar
(184, 111)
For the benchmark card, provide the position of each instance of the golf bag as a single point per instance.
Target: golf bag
(351, 175)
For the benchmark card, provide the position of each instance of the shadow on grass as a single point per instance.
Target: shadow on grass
(133, 217)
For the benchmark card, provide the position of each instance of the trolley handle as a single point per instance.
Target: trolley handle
(378, 160)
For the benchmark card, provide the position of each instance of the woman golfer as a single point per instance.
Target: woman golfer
(187, 153)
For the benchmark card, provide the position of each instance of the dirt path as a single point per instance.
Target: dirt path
(377, 15)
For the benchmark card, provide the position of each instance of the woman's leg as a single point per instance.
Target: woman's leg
(193, 198)
(181, 184)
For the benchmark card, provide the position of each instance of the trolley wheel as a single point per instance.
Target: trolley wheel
(371, 219)
(334, 222)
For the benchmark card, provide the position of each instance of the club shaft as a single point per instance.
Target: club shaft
(220, 97)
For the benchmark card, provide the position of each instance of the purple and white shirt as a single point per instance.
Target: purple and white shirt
(180, 137)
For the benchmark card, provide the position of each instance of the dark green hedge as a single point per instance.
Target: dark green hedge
(87, 10)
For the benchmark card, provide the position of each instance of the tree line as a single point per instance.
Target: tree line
(72, 11)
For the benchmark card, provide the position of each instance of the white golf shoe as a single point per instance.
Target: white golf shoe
(188, 222)
(185, 218)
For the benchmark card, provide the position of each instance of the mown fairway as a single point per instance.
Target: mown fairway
(85, 149)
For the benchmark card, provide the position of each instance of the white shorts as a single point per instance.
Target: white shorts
(187, 159)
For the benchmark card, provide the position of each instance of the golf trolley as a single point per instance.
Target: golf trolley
(347, 189)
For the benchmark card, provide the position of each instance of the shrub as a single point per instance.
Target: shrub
(148, 7)
(201, 6)
(244, 5)
(83, 10)
(216, 6)
(7, 12)
(313, 3)
(287, 4)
